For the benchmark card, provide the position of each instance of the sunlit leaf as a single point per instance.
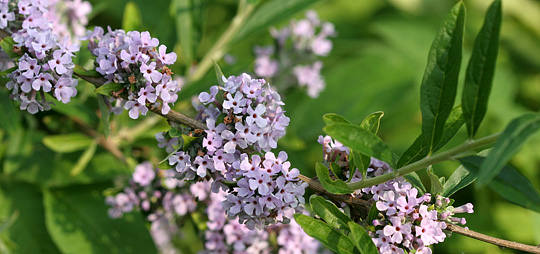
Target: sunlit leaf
(329, 212)
(336, 186)
(326, 234)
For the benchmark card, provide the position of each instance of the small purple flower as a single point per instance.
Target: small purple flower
(59, 62)
(144, 174)
(165, 58)
(150, 73)
(135, 108)
(256, 116)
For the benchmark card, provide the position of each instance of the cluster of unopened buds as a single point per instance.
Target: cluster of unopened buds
(137, 61)
(243, 116)
(297, 48)
(45, 63)
(407, 221)
(164, 199)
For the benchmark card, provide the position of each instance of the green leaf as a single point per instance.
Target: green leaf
(254, 1)
(132, 20)
(67, 143)
(331, 118)
(7, 45)
(28, 232)
(336, 170)
(105, 115)
(360, 140)
(84, 72)
(508, 144)
(509, 184)
(333, 186)
(360, 161)
(9, 221)
(439, 85)
(10, 119)
(78, 222)
(372, 122)
(436, 185)
(361, 239)
(7, 71)
(184, 28)
(108, 88)
(329, 212)
(415, 180)
(418, 150)
(269, 13)
(219, 74)
(84, 159)
(373, 213)
(479, 77)
(460, 179)
(327, 235)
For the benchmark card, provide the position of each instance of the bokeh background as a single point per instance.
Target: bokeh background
(377, 64)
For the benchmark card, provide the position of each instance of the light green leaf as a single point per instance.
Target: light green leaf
(184, 28)
(84, 159)
(7, 46)
(333, 186)
(84, 72)
(219, 74)
(509, 184)
(331, 118)
(132, 20)
(77, 220)
(460, 179)
(329, 212)
(481, 68)
(439, 85)
(270, 13)
(67, 143)
(415, 180)
(508, 144)
(105, 114)
(436, 185)
(372, 122)
(362, 141)
(418, 150)
(108, 88)
(361, 239)
(327, 235)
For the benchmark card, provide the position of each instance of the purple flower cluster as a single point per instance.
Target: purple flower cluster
(267, 190)
(138, 61)
(68, 17)
(46, 64)
(298, 47)
(407, 221)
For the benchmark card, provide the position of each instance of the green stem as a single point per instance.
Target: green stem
(424, 163)
(221, 46)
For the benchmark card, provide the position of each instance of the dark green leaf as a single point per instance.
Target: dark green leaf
(333, 186)
(439, 85)
(509, 183)
(108, 88)
(362, 141)
(415, 180)
(460, 179)
(105, 114)
(436, 185)
(184, 28)
(373, 214)
(418, 150)
(132, 20)
(78, 222)
(331, 118)
(508, 144)
(28, 232)
(7, 45)
(336, 170)
(478, 79)
(272, 12)
(329, 212)
(67, 143)
(7, 71)
(360, 161)
(84, 159)
(327, 235)
(361, 239)
(372, 122)
(10, 118)
(84, 72)
(9, 221)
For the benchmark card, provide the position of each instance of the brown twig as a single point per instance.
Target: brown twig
(101, 140)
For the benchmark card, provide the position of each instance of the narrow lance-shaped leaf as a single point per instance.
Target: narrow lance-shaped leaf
(362, 141)
(439, 85)
(333, 186)
(361, 239)
(105, 114)
(184, 28)
(419, 149)
(219, 73)
(329, 212)
(326, 234)
(372, 122)
(83, 161)
(509, 184)
(478, 79)
(67, 143)
(331, 118)
(460, 179)
(508, 144)
(436, 185)
(108, 88)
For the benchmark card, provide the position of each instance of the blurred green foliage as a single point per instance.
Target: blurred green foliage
(377, 64)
